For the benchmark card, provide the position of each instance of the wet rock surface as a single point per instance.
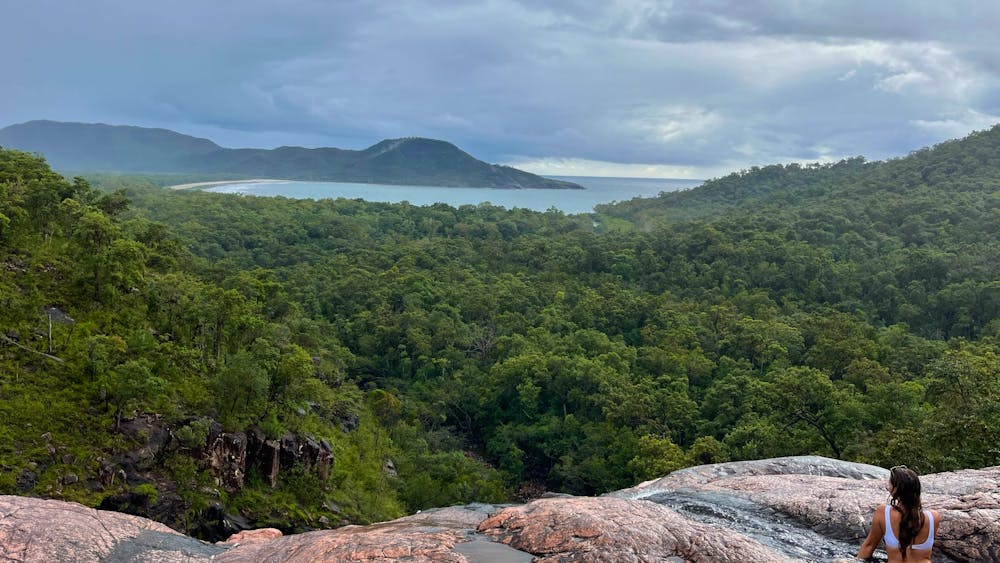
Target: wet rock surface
(787, 509)
(836, 500)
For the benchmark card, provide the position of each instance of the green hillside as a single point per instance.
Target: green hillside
(82, 147)
(911, 233)
(78, 146)
(964, 165)
(850, 310)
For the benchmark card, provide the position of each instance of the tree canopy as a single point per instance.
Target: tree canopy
(848, 310)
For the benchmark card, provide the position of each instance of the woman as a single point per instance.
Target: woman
(907, 529)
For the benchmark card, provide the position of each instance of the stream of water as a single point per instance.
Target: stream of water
(759, 522)
(764, 524)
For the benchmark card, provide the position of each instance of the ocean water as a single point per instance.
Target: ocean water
(598, 190)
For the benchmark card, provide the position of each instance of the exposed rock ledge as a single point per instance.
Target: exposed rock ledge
(828, 497)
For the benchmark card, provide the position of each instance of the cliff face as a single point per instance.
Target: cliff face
(788, 509)
(227, 456)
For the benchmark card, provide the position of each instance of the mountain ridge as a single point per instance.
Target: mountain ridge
(98, 147)
(967, 163)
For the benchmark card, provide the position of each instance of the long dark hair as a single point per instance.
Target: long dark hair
(906, 498)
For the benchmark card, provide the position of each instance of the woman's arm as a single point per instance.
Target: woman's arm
(874, 535)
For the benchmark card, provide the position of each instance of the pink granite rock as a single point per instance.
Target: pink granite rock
(827, 498)
(610, 529)
(252, 536)
(442, 534)
(50, 531)
(837, 499)
(393, 541)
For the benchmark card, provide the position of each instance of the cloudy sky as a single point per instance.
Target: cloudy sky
(601, 87)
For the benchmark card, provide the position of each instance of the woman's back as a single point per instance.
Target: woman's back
(904, 516)
(919, 550)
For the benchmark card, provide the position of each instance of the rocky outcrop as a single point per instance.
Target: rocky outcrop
(265, 455)
(837, 499)
(227, 456)
(610, 529)
(445, 534)
(134, 481)
(51, 531)
(231, 454)
(35, 530)
(252, 536)
(788, 509)
(970, 505)
(692, 477)
(393, 541)
(150, 438)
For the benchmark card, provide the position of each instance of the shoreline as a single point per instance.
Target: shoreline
(216, 183)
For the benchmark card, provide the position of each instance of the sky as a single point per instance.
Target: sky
(644, 88)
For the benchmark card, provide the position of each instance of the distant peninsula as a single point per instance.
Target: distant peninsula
(95, 147)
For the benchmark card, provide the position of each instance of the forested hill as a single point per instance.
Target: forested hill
(851, 311)
(963, 168)
(82, 147)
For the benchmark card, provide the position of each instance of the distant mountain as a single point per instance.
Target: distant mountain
(119, 148)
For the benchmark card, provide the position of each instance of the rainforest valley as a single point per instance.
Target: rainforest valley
(450, 355)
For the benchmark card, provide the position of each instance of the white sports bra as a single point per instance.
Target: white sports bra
(893, 542)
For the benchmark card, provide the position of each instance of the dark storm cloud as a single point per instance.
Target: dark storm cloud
(697, 88)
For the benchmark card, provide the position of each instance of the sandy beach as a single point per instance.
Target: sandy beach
(194, 185)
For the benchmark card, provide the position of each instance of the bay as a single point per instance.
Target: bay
(598, 190)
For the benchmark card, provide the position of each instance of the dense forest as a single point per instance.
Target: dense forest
(451, 355)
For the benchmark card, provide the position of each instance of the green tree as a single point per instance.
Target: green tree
(966, 424)
(131, 385)
(805, 403)
(94, 233)
(656, 457)
(241, 387)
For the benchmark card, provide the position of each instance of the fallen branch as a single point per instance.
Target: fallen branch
(8, 340)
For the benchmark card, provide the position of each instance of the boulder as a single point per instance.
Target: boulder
(312, 455)
(445, 534)
(215, 524)
(252, 536)
(150, 437)
(393, 541)
(47, 530)
(613, 529)
(26, 480)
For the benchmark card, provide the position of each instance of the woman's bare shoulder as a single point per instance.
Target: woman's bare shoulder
(879, 515)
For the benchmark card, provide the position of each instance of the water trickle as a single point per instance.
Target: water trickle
(759, 522)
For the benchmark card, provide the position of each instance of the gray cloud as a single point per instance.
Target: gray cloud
(705, 86)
